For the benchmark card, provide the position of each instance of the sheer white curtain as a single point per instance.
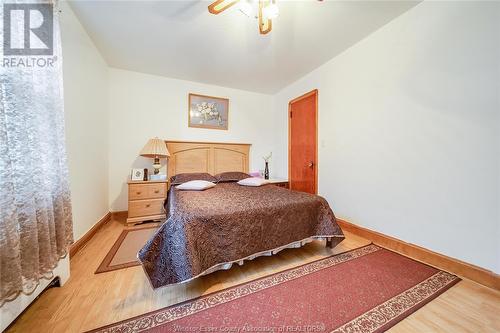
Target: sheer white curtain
(35, 206)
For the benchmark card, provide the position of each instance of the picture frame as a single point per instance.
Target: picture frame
(208, 112)
(137, 174)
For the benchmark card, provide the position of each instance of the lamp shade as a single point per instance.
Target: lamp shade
(155, 148)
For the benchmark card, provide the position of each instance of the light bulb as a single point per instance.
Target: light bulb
(245, 8)
(271, 11)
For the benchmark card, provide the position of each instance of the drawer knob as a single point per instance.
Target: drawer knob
(157, 191)
(147, 206)
(138, 192)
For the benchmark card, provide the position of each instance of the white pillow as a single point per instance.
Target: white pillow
(254, 181)
(195, 185)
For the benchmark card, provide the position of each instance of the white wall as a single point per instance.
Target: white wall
(86, 115)
(409, 130)
(143, 106)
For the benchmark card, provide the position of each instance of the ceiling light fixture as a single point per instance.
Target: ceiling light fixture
(267, 10)
(271, 11)
(219, 6)
(265, 23)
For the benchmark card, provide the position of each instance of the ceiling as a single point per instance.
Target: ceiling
(180, 39)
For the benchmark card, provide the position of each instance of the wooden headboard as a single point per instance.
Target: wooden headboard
(210, 157)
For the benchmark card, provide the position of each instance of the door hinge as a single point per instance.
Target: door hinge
(290, 114)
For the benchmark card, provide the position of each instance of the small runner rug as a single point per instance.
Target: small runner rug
(368, 289)
(123, 253)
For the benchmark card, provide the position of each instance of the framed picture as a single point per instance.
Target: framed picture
(208, 112)
(137, 174)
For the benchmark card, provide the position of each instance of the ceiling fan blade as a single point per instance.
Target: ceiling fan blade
(219, 6)
(265, 24)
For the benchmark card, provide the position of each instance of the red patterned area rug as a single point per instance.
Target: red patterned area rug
(368, 289)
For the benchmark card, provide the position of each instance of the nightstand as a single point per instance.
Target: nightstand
(145, 200)
(280, 183)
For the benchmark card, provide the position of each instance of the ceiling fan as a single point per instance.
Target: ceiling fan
(266, 12)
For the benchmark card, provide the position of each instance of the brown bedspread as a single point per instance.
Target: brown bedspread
(230, 222)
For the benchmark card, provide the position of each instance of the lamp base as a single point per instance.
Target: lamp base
(158, 177)
(156, 166)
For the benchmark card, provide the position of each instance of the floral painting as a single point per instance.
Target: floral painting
(208, 112)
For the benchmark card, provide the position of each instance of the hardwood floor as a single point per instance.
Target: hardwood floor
(91, 300)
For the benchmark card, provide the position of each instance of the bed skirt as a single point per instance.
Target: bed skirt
(227, 265)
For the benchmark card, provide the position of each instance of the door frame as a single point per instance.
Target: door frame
(312, 92)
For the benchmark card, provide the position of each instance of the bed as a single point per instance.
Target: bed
(213, 229)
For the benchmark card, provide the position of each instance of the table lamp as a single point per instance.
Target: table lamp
(155, 148)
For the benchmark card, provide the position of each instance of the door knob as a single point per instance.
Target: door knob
(311, 164)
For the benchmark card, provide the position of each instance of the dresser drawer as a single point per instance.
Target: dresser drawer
(145, 207)
(157, 190)
(146, 191)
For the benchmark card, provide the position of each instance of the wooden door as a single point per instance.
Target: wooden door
(302, 143)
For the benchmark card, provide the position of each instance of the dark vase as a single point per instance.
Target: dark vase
(266, 171)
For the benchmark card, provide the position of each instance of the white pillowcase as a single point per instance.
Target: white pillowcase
(254, 181)
(195, 185)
